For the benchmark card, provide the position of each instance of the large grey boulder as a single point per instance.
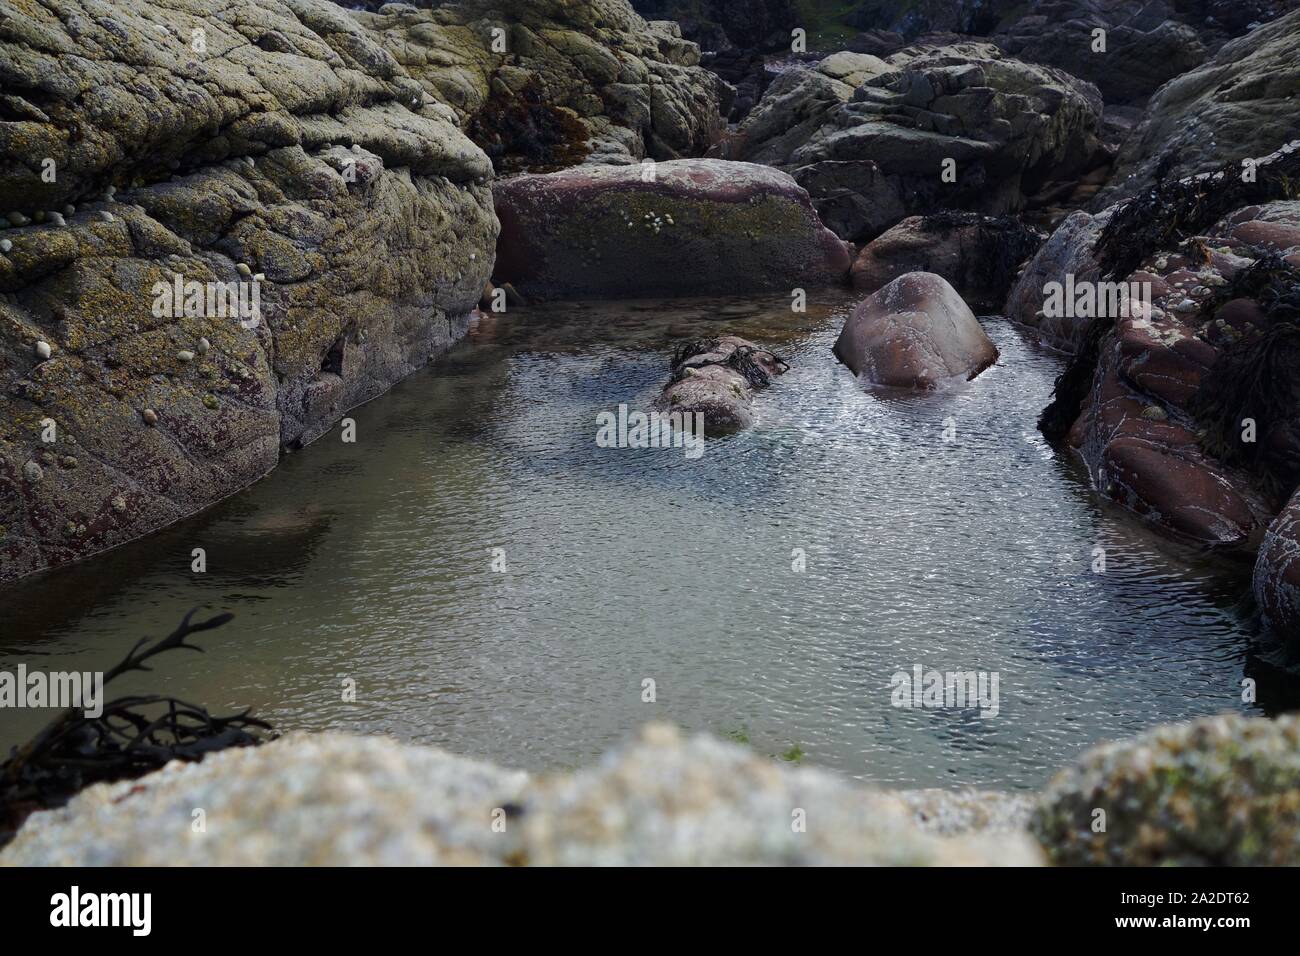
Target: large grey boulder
(1240, 104)
(1009, 127)
(675, 228)
(334, 800)
(916, 332)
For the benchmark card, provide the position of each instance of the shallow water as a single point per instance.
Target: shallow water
(372, 561)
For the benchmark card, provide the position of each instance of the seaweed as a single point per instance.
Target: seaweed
(523, 132)
(1163, 217)
(741, 359)
(1257, 377)
(1005, 244)
(134, 735)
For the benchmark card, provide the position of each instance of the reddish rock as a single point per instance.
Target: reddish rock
(1277, 573)
(916, 332)
(685, 227)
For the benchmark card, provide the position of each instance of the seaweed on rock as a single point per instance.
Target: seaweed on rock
(134, 735)
(740, 358)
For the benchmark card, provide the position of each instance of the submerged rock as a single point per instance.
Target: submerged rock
(676, 228)
(1221, 791)
(916, 332)
(334, 800)
(978, 255)
(716, 378)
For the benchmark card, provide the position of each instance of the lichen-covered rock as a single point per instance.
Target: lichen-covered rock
(271, 144)
(544, 84)
(916, 332)
(1240, 104)
(334, 800)
(1277, 574)
(1009, 127)
(977, 255)
(716, 379)
(675, 228)
(1221, 791)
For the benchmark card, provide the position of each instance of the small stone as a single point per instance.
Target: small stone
(118, 504)
(243, 269)
(211, 401)
(185, 355)
(106, 216)
(5, 245)
(68, 461)
(42, 350)
(38, 216)
(150, 416)
(203, 346)
(17, 219)
(56, 219)
(69, 210)
(33, 472)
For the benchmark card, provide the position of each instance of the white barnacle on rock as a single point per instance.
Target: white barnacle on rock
(43, 350)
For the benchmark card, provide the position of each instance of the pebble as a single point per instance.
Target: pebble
(33, 472)
(69, 209)
(68, 461)
(185, 355)
(203, 346)
(17, 219)
(43, 350)
(5, 245)
(243, 269)
(150, 416)
(105, 215)
(119, 504)
(56, 219)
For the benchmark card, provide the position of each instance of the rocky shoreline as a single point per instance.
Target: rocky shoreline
(1217, 791)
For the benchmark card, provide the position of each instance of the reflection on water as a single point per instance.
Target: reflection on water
(372, 561)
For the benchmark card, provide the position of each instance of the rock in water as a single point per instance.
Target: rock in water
(916, 332)
(1277, 574)
(717, 379)
(675, 228)
(1221, 791)
(335, 800)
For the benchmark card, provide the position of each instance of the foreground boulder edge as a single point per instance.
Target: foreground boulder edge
(916, 332)
(336, 800)
(684, 227)
(1221, 791)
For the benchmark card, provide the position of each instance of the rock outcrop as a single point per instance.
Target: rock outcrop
(978, 255)
(1000, 130)
(273, 146)
(674, 228)
(717, 378)
(1222, 791)
(334, 800)
(1069, 251)
(1240, 104)
(543, 84)
(1277, 574)
(916, 332)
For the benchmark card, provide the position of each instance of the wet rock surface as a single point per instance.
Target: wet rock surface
(677, 228)
(916, 332)
(716, 379)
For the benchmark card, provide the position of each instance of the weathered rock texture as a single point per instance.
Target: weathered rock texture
(978, 255)
(717, 378)
(678, 228)
(227, 154)
(1011, 128)
(1137, 431)
(1277, 574)
(1222, 791)
(336, 800)
(1240, 104)
(543, 84)
(1069, 251)
(916, 332)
